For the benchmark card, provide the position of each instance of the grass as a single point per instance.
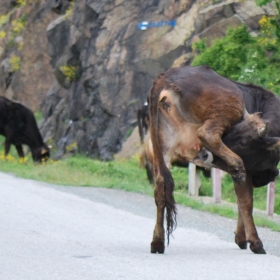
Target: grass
(81, 171)
(38, 116)
(127, 175)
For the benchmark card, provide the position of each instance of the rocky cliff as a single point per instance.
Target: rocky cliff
(89, 64)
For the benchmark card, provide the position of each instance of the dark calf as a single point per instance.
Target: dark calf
(260, 155)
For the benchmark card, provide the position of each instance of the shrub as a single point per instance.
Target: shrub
(69, 71)
(241, 57)
(69, 12)
(3, 20)
(21, 3)
(18, 25)
(14, 63)
(20, 46)
(227, 55)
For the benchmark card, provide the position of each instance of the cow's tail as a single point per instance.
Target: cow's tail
(163, 175)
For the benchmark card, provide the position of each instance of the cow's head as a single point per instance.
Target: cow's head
(249, 139)
(41, 154)
(248, 134)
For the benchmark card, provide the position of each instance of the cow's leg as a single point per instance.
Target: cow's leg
(149, 169)
(210, 135)
(7, 147)
(246, 221)
(20, 151)
(240, 235)
(157, 245)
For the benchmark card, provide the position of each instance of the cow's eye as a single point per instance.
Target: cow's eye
(242, 144)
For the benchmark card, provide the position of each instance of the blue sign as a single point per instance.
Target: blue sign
(144, 25)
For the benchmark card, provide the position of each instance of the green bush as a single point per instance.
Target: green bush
(241, 57)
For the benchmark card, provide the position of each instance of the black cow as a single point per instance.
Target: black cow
(18, 125)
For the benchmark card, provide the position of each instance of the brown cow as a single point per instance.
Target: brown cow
(190, 108)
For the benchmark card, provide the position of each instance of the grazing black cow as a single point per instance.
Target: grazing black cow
(260, 157)
(191, 108)
(18, 125)
(146, 155)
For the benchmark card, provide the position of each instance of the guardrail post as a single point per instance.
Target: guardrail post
(194, 180)
(216, 174)
(217, 184)
(270, 198)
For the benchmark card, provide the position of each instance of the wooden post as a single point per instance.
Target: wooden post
(270, 198)
(194, 180)
(217, 185)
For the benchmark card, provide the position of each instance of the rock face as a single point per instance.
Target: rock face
(104, 56)
(25, 70)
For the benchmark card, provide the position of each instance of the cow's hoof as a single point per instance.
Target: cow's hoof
(157, 247)
(257, 248)
(242, 244)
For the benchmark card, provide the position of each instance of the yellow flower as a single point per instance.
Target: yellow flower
(2, 34)
(14, 63)
(21, 2)
(69, 71)
(18, 26)
(70, 10)
(20, 46)
(72, 146)
(3, 19)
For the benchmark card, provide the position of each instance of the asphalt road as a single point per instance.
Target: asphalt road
(55, 232)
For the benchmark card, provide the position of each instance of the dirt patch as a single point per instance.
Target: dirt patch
(131, 147)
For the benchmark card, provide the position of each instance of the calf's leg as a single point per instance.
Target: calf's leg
(246, 221)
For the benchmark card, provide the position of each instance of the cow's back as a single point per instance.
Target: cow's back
(200, 93)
